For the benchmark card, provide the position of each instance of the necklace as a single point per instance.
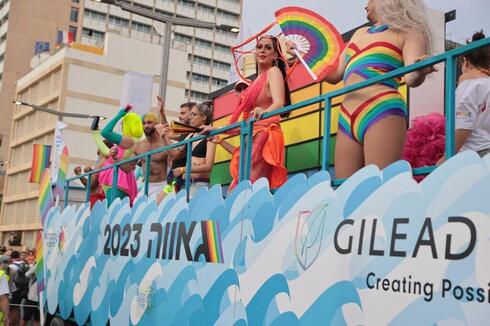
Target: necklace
(377, 29)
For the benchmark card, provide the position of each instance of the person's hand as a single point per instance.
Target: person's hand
(206, 130)
(258, 112)
(87, 169)
(290, 48)
(113, 153)
(162, 129)
(216, 139)
(77, 170)
(161, 105)
(426, 70)
(178, 171)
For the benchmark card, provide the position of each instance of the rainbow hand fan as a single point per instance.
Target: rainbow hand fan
(182, 128)
(315, 37)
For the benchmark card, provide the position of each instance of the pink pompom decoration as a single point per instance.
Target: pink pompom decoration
(425, 142)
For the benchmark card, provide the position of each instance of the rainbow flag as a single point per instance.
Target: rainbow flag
(214, 241)
(62, 171)
(39, 262)
(40, 161)
(45, 200)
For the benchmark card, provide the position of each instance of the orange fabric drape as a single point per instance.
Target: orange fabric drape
(267, 147)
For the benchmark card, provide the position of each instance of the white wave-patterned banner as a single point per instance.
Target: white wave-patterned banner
(381, 249)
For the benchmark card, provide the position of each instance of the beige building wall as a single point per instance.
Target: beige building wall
(23, 23)
(81, 82)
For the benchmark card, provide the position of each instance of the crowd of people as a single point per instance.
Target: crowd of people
(372, 120)
(19, 299)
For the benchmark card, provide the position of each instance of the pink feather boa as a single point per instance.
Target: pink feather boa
(425, 141)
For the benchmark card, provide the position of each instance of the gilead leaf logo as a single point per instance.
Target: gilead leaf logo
(309, 235)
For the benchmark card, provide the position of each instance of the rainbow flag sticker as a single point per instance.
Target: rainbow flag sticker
(45, 200)
(214, 241)
(40, 161)
(39, 262)
(62, 171)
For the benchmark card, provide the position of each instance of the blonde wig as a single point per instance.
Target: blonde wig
(132, 125)
(405, 15)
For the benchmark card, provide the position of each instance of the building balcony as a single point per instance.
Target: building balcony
(92, 41)
(223, 56)
(94, 24)
(201, 69)
(98, 6)
(200, 87)
(231, 6)
(203, 52)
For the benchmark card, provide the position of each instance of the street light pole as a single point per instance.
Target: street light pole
(165, 61)
(58, 113)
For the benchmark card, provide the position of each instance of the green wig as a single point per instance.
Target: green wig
(132, 125)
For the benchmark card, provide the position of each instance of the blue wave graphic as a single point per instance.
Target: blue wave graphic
(263, 279)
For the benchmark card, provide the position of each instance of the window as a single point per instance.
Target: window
(75, 1)
(203, 43)
(199, 60)
(198, 77)
(205, 9)
(186, 3)
(228, 15)
(140, 27)
(3, 38)
(96, 15)
(5, 19)
(164, 12)
(73, 30)
(74, 14)
(118, 21)
(219, 82)
(221, 65)
(222, 48)
(182, 38)
(93, 33)
(196, 95)
(2, 57)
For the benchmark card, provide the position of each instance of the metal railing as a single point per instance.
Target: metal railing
(246, 127)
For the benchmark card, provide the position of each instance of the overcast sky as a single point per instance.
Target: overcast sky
(471, 15)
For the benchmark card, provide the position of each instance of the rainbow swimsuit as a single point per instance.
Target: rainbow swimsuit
(373, 60)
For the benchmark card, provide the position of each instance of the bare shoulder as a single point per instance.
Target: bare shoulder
(140, 147)
(412, 35)
(274, 71)
(360, 32)
(274, 74)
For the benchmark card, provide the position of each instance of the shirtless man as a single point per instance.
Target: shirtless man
(158, 162)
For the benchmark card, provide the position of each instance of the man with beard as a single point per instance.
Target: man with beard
(158, 162)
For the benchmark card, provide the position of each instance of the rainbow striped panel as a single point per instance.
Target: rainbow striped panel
(63, 169)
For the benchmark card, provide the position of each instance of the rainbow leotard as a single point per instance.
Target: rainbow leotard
(362, 109)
